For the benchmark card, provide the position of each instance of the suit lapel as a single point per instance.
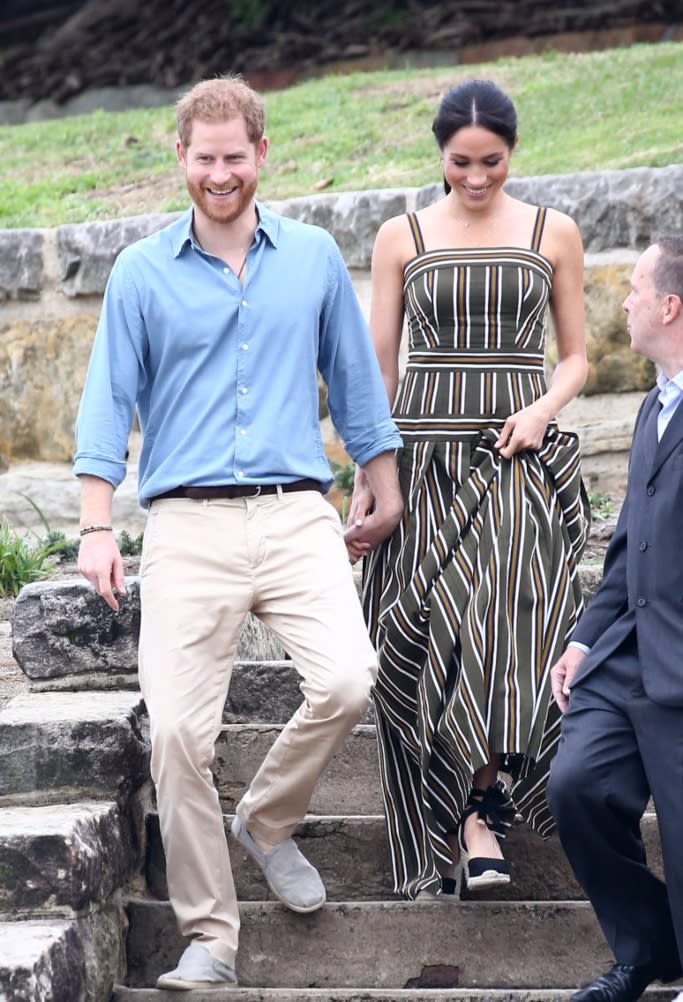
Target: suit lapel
(670, 439)
(644, 444)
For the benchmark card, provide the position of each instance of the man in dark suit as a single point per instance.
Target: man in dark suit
(620, 682)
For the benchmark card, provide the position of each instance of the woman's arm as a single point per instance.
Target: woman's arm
(386, 306)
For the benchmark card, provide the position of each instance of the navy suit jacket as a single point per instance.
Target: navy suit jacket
(642, 584)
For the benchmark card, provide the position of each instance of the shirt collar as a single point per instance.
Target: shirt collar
(268, 224)
(670, 386)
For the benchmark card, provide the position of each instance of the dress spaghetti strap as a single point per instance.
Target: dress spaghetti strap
(537, 235)
(417, 233)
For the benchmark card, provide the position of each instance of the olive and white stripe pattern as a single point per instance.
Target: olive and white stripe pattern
(473, 597)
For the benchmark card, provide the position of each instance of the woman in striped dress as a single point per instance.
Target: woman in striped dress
(473, 597)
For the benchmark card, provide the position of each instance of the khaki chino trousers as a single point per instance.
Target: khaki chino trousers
(205, 565)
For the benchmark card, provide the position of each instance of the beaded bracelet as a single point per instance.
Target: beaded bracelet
(95, 528)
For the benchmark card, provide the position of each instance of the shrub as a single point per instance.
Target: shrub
(22, 560)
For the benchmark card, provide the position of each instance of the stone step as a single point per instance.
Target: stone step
(55, 959)
(42, 960)
(390, 945)
(124, 994)
(352, 857)
(69, 746)
(62, 856)
(350, 785)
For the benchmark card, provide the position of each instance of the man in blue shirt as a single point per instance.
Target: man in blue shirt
(215, 329)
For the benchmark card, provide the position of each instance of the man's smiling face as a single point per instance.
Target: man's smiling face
(221, 168)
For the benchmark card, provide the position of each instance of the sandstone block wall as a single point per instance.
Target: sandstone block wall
(52, 281)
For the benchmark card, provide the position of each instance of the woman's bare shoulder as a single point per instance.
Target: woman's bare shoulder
(394, 238)
(561, 224)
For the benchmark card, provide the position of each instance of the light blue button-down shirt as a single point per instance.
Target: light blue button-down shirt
(670, 396)
(225, 377)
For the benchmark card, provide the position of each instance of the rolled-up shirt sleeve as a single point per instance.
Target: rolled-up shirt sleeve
(357, 397)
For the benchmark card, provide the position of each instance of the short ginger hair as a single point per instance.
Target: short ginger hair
(220, 100)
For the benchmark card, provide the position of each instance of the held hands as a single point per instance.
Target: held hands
(99, 560)
(562, 675)
(523, 430)
(368, 523)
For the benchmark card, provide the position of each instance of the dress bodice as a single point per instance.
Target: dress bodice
(477, 320)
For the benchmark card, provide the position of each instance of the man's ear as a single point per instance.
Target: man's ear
(671, 306)
(180, 153)
(261, 151)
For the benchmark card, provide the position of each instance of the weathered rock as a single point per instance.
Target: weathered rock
(52, 744)
(87, 251)
(619, 208)
(62, 961)
(103, 936)
(353, 218)
(21, 264)
(62, 856)
(42, 370)
(42, 961)
(262, 693)
(64, 627)
(612, 366)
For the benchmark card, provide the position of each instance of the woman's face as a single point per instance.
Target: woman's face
(475, 165)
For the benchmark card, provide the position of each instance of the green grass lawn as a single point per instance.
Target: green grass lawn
(579, 112)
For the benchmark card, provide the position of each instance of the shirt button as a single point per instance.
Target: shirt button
(244, 389)
(240, 473)
(243, 431)
(245, 346)
(226, 271)
(641, 602)
(650, 491)
(642, 545)
(244, 302)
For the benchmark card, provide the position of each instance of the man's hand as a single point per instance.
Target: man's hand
(562, 675)
(376, 505)
(367, 533)
(99, 560)
(362, 504)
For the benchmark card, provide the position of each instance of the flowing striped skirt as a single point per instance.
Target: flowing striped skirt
(470, 603)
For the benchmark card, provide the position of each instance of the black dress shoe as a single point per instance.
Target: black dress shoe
(623, 983)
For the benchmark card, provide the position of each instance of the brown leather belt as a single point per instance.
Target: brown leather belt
(238, 491)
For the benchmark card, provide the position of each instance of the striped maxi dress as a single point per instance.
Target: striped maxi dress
(472, 599)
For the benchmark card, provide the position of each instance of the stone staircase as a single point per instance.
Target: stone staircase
(82, 874)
